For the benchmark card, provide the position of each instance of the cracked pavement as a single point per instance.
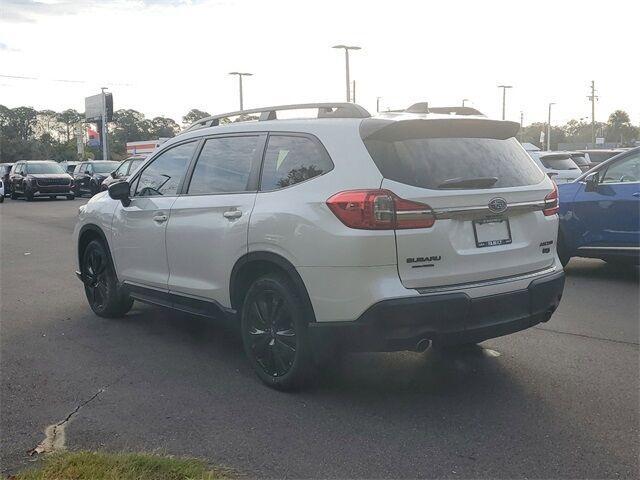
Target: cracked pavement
(559, 401)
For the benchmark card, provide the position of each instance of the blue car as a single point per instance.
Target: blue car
(600, 212)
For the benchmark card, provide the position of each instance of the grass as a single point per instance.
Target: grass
(121, 466)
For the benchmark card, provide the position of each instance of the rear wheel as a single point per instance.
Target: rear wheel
(1, 198)
(71, 197)
(274, 332)
(105, 297)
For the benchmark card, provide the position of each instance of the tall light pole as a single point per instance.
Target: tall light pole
(346, 61)
(593, 97)
(504, 98)
(464, 100)
(378, 104)
(549, 128)
(240, 75)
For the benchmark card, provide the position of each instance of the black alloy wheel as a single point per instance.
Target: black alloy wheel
(104, 295)
(274, 332)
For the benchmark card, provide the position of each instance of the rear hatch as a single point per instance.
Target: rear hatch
(486, 194)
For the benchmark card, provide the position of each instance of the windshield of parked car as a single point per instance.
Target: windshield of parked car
(43, 168)
(559, 163)
(104, 167)
(135, 164)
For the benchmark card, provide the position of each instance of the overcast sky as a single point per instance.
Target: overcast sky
(163, 57)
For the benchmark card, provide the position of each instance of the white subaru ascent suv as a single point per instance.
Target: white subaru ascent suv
(344, 231)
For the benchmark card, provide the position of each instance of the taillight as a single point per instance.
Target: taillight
(379, 210)
(551, 202)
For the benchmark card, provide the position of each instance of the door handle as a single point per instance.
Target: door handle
(637, 194)
(160, 218)
(232, 214)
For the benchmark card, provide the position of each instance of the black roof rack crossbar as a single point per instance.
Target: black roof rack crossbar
(325, 110)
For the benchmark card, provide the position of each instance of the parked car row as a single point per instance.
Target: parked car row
(45, 178)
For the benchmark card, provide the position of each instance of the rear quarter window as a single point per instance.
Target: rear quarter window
(293, 159)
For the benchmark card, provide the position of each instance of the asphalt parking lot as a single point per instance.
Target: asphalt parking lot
(557, 401)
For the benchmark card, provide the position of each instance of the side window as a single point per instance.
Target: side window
(292, 159)
(224, 165)
(626, 170)
(164, 174)
(89, 169)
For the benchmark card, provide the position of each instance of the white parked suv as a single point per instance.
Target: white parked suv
(336, 232)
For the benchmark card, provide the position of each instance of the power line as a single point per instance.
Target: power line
(62, 80)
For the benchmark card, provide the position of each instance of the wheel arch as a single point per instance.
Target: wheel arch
(90, 232)
(255, 264)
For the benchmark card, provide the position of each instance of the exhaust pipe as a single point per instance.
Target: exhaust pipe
(422, 345)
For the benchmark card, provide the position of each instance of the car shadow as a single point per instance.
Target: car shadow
(594, 269)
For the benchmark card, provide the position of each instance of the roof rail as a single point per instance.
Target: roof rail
(325, 110)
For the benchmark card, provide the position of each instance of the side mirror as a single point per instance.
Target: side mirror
(113, 174)
(120, 191)
(592, 180)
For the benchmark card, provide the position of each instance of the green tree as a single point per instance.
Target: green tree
(194, 115)
(162, 127)
(619, 128)
(68, 121)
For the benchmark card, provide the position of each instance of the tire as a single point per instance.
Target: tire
(71, 197)
(93, 189)
(281, 353)
(28, 195)
(1, 198)
(105, 297)
(52, 197)
(14, 195)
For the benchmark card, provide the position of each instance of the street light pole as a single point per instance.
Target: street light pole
(504, 98)
(549, 128)
(464, 100)
(346, 62)
(240, 75)
(378, 104)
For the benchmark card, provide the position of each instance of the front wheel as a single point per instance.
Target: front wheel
(14, 195)
(28, 195)
(274, 332)
(101, 287)
(71, 196)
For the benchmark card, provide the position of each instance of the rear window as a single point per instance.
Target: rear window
(432, 162)
(559, 163)
(579, 159)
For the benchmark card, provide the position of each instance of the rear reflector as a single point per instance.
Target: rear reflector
(551, 203)
(379, 210)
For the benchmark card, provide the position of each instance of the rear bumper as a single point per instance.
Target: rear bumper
(445, 319)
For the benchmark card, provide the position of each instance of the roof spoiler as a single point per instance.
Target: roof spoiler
(423, 107)
(395, 130)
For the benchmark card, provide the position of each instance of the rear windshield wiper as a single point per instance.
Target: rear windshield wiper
(477, 182)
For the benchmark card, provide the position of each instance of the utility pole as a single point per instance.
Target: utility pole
(593, 99)
(464, 100)
(549, 128)
(346, 61)
(504, 98)
(240, 75)
(103, 134)
(378, 104)
(354, 91)
(521, 124)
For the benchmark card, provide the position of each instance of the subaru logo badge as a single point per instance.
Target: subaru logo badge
(497, 205)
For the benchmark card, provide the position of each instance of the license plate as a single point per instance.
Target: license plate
(490, 232)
